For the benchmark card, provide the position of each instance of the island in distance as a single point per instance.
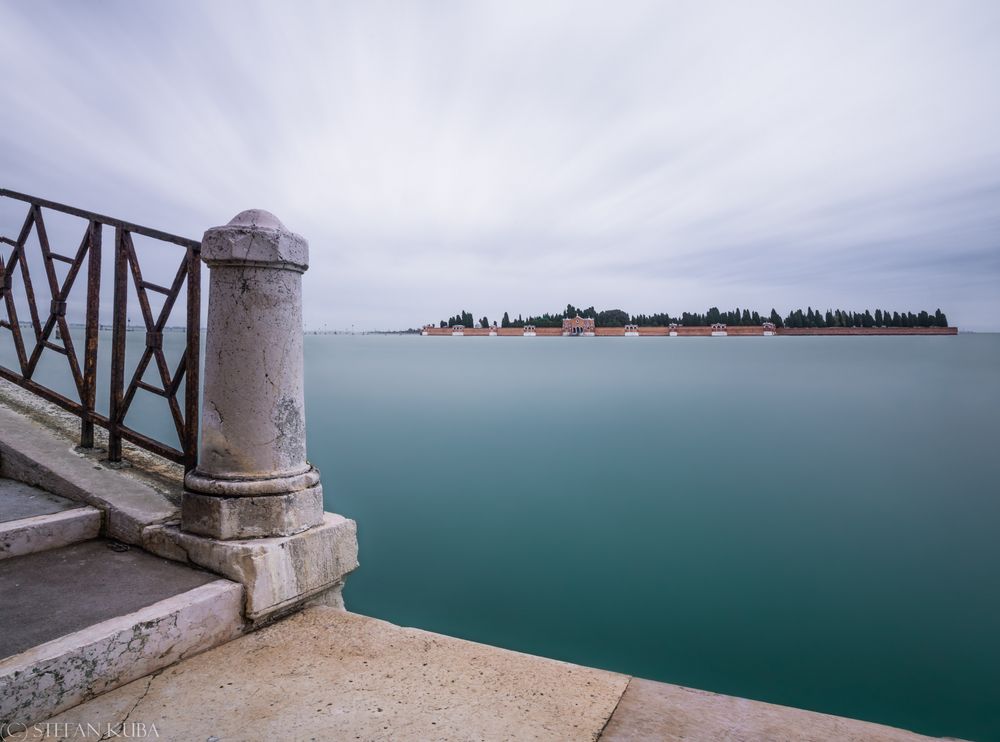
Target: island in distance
(574, 322)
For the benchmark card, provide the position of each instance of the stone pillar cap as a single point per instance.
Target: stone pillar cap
(255, 238)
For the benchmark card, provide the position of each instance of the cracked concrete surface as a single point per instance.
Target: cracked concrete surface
(325, 674)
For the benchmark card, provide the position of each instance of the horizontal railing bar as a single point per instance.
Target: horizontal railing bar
(151, 388)
(56, 348)
(156, 287)
(47, 394)
(160, 449)
(8, 241)
(110, 221)
(63, 258)
(132, 436)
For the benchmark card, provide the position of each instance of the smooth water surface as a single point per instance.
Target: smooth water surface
(809, 521)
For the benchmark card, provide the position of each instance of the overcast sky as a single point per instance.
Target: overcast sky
(521, 155)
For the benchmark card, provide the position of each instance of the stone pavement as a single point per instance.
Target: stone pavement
(326, 674)
(19, 500)
(671, 713)
(81, 585)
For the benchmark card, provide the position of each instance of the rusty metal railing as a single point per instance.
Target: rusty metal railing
(85, 379)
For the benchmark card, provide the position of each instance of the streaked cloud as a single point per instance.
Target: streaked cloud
(519, 156)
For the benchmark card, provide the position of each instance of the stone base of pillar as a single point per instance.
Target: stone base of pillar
(251, 508)
(229, 518)
(278, 574)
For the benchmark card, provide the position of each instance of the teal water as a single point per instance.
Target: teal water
(806, 521)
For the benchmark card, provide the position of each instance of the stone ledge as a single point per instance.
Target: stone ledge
(49, 531)
(64, 672)
(162, 475)
(278, 574)
(32, 454)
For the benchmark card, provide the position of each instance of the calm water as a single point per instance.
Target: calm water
(807, 521)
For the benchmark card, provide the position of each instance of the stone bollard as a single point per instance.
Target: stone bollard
(252, 478)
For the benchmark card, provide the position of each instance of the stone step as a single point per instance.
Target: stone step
(32, 520)
(83, 619)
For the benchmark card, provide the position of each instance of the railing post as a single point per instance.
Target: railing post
(252, 478)
(118, 330)
(91, 334)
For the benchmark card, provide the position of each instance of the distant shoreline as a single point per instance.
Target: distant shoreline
(701, 331)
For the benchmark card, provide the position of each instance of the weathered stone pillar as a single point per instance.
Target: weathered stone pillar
(252, 478)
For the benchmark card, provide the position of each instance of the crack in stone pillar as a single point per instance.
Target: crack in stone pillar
(252, 478)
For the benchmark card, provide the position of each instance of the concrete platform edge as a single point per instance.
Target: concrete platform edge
(65, 672)
(42, 532)
(30, 453)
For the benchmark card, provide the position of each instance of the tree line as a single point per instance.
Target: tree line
(880, 318)
(714, 315)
